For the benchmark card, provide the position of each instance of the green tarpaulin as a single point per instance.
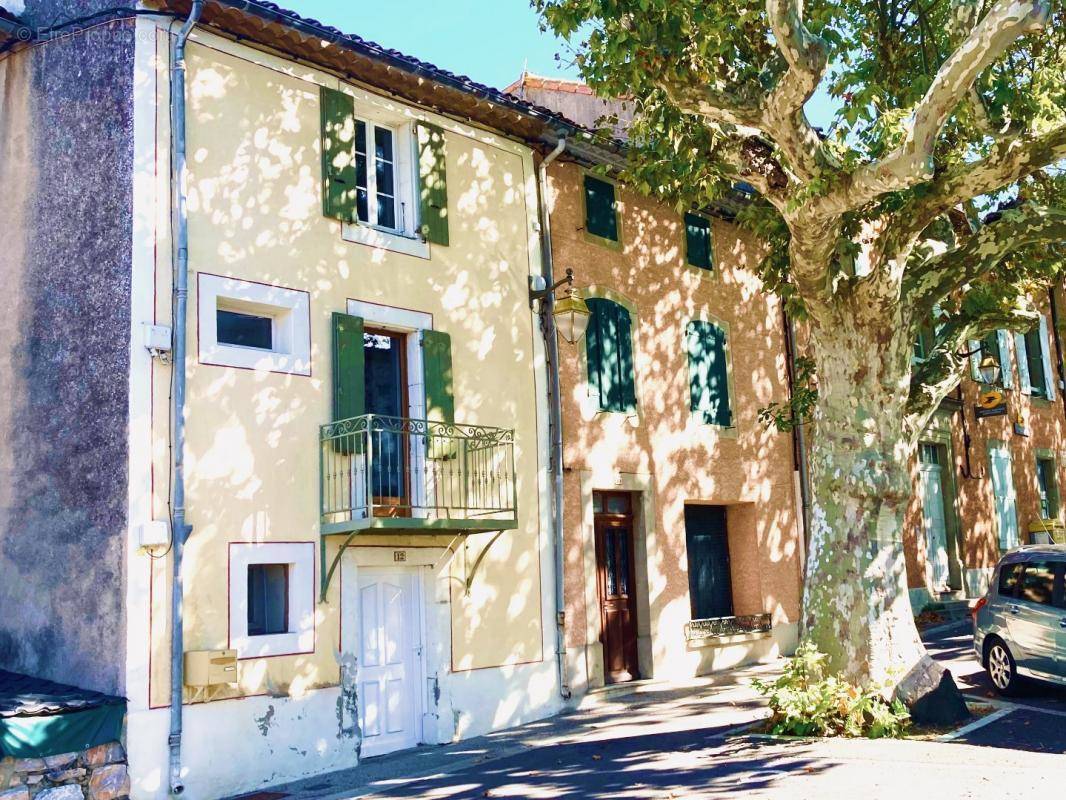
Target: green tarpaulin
(69, 732)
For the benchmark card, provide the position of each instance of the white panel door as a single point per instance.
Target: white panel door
(936, 529)
(389, 648)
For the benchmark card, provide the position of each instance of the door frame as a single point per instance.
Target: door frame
(938, 432)
(947, 508)
(422, 565)
(602, 520)
(410, 323)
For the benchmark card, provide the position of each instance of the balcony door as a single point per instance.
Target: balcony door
(385, 365)
(616, 580)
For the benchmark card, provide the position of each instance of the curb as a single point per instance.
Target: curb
(945, 628)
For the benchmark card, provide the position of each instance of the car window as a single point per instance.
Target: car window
(1038, 583)
(1008, 579)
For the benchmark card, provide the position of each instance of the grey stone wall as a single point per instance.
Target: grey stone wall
(66, 154)
(99, 773)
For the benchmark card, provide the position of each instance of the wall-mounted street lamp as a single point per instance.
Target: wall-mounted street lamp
(570, 312)
(989, 369)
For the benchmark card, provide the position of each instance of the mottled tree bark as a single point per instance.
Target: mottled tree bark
(856, 607)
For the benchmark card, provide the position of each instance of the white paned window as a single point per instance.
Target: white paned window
(253, 325)
(386, 187)
(377, 162)
(271, 598)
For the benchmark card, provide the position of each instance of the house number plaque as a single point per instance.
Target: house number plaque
(399, 555)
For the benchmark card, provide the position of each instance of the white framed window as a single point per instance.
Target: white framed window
(386, 182)
(253, 325)
(271, 598)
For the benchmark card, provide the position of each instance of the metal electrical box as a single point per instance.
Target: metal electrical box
(210, 667)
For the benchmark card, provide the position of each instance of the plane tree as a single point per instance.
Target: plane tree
(928, 196)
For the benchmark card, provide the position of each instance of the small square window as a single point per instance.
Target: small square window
(268, 599)
(244, 330)
(271, 598)
(253, 325)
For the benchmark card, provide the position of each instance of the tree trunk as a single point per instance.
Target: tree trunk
(856, 607)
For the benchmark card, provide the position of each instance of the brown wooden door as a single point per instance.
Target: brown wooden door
(615, 577)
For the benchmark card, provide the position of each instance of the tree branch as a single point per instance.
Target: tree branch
(912, 161)
(939, 276)
(1011, 161)
(720, 106)
(935, 377)
(782, 113)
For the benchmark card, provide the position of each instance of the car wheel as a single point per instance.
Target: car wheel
(999, 664)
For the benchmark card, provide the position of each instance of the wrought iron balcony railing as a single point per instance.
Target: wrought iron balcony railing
(716, 627)
(412, 474)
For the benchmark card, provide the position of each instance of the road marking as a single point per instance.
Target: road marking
(1007, 704)
(980, 723)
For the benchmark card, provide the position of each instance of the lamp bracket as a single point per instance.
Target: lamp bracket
(541, 294)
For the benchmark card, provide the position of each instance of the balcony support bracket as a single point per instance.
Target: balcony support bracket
(325, 576)
(468, 581)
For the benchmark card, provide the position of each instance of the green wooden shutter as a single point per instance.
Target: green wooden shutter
(708, 373)
(609, 351)
(349, 377)
(433, 190)
(698, 241)
(440, 395)
(594, 347)
(437, 373)
(625, 396)
(338, 154)
(600, 212)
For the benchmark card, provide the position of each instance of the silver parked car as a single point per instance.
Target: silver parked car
(1019, 628)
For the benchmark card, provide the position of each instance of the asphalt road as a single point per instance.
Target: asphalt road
(1037, 722)
(690, 743)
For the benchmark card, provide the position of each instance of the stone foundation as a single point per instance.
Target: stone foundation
(98, 773)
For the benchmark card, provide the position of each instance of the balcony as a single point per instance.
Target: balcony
(414, 475)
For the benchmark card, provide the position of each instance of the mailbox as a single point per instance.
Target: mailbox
(210, 667)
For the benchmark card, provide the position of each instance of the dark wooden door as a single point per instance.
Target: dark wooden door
(615, 577)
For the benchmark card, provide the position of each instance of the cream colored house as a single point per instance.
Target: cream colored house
(369, 566)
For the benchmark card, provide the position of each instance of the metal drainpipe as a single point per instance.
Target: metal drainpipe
(555, 413)
(180, 531)
(799, 438)
(1058, 344)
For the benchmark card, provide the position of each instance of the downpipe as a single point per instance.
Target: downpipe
(179, 529)
(555, 413)
(799, 440)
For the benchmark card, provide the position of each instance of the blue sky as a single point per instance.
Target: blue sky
(488, 40)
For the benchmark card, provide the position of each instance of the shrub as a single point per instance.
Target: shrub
(805, 701)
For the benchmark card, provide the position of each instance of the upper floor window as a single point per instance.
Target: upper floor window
(609, 347)
(708, 366)
(1034, 361)
(375, 168)
(1047, 487)
(601, 209)
(698, 250)
(383, 173)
